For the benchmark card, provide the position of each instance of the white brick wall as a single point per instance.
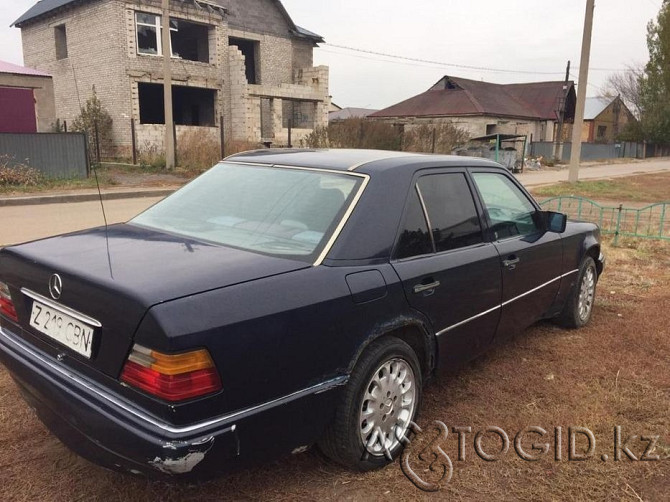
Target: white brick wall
(102, 52)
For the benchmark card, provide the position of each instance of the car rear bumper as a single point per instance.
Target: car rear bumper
(110, 431)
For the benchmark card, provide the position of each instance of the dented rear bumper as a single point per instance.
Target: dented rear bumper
(108, 430)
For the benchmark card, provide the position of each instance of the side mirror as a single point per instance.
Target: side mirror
(555, 222)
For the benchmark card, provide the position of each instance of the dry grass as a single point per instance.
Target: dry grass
(197, 152)
(613, 372)
(14, 173)
(639, 188)
(379, 135)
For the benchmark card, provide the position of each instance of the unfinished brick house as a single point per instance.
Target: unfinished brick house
(240, 64)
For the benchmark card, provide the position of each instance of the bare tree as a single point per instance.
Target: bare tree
(626, 84)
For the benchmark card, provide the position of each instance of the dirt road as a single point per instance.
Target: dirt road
(546, 177)
(25, 223)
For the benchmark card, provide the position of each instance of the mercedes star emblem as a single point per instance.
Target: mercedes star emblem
(55, 286)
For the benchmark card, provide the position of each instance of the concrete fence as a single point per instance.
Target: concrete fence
(59, 155)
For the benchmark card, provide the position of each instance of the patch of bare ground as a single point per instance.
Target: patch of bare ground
(614, 372)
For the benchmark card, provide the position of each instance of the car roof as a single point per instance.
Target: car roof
(367, 161)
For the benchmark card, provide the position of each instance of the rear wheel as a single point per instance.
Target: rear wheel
(579, 305)
(379, 404)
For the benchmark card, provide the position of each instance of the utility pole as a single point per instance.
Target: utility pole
(167, 85)
(576, 151)
(558, 140)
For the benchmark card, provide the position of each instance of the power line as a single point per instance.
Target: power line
(441, 63)
(404, 63)
(463, 66)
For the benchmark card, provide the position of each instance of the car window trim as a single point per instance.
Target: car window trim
(442, 253)
(426, 216)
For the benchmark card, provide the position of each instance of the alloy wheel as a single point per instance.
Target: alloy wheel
(388, 406)
(586, 294)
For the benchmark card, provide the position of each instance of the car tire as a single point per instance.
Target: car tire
(579, 305)
(383, 395)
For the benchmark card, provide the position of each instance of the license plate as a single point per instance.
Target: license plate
(66, 330)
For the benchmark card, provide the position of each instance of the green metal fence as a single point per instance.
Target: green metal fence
(648, 222)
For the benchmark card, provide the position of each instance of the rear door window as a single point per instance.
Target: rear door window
(414, 239)
(451, 211)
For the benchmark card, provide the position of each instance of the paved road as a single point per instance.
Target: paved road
(25, 223)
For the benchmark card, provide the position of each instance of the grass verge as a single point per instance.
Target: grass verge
(640, 188)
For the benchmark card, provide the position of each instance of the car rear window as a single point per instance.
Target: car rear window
(278, 211)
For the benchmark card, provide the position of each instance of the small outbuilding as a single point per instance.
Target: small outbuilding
(27, 103)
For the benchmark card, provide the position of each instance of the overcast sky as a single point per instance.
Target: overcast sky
(533, 37)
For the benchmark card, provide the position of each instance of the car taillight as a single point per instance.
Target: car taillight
(6, 303)
(171, 377)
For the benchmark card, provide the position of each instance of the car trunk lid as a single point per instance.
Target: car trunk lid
(114, 275)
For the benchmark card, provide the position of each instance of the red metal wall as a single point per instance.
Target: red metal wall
(17, 110)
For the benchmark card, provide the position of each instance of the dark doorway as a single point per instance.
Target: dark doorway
(249, 49)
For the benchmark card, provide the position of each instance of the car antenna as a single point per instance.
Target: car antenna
(104, 217)
(102, 205)
(95, 173)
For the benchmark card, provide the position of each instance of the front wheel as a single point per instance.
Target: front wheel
(381, 400)
(579, 305)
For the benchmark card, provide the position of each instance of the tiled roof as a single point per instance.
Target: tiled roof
(453, 96)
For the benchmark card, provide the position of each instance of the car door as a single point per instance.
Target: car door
(530, 256)
(448, 271)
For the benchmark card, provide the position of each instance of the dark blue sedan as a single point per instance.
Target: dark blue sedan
(283, 299)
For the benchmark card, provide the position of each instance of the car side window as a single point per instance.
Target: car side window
(451, 211)
(414, 238)
(509, 210)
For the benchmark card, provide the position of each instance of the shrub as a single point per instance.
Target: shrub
(355, 133)
(446, 137)
(93, 115)
(16, 173)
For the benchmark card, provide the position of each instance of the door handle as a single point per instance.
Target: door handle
(420, 288)
(511, 262)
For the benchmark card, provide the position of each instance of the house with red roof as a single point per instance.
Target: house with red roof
(483, 108)
(27, 102)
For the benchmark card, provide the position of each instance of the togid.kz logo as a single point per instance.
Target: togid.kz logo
(425, 462)
(428, 443)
